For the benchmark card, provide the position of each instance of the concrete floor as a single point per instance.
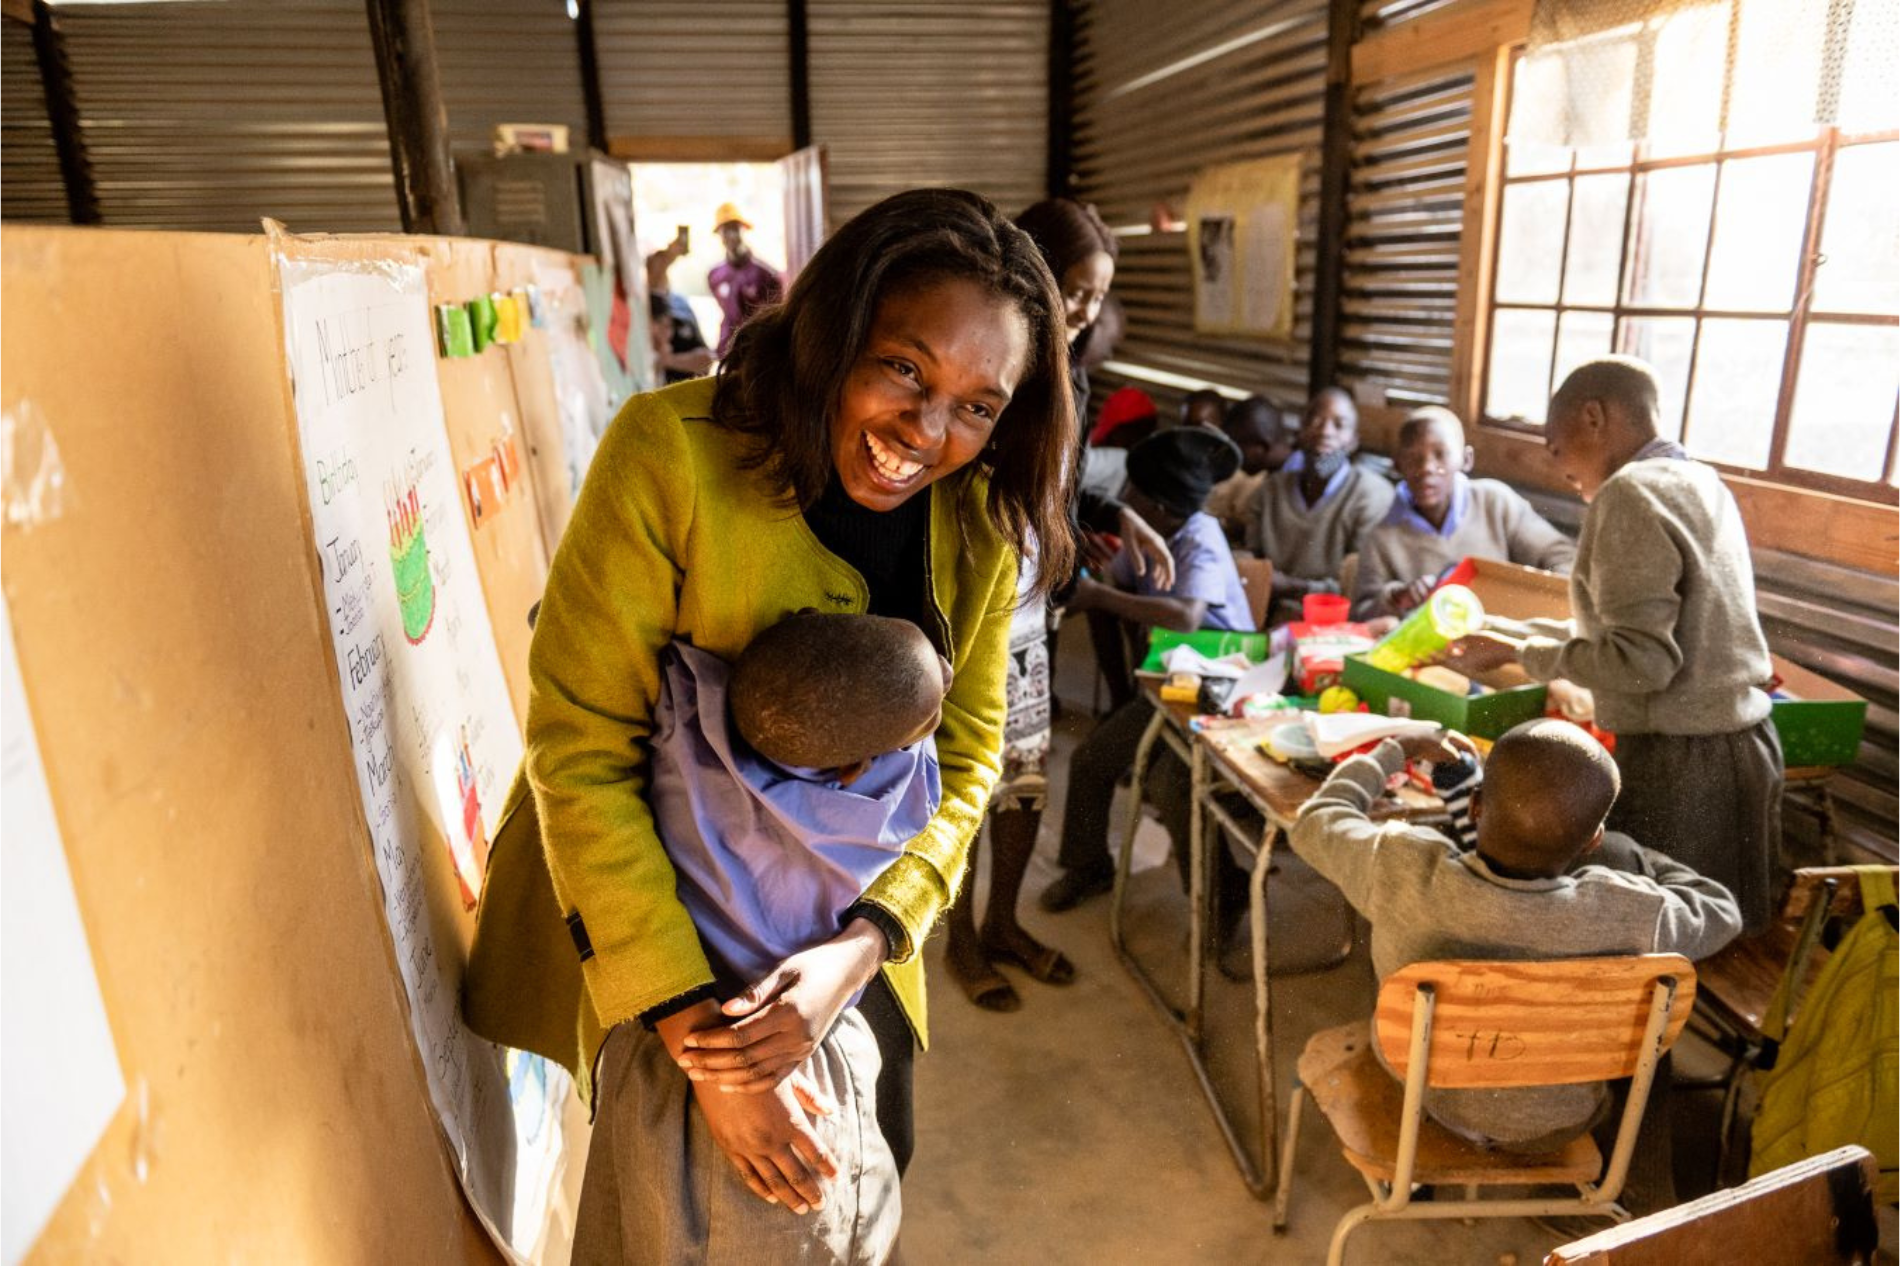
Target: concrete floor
(1073, 1130)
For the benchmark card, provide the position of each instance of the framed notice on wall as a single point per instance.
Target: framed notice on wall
(1241, 222)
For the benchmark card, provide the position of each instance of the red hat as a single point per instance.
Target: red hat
(1130, 404)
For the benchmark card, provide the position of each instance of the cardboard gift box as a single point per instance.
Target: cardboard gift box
(1819, 722)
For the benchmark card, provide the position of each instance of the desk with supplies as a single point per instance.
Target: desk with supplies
(1225, 761)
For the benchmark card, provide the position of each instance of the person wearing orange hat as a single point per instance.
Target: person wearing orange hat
(742, 285)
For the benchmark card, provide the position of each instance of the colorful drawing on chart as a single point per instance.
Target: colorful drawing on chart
(409, 562)
(471, 857)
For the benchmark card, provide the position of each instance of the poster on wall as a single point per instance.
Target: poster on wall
(1242, 219)
(431, 725)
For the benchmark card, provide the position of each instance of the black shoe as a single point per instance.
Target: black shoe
(1075, 887)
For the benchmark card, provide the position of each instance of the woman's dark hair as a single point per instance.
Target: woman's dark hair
(786, 372)
(1068, 233)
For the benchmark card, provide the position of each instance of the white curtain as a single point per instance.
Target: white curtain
(1605, 71)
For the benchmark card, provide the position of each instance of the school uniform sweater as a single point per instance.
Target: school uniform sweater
(1662, 598)
(1309, 542)
(1428, 900)
(580, 925)
(1487, 519)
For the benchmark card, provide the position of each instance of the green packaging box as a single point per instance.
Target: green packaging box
(1212, 643)
(1820, 724)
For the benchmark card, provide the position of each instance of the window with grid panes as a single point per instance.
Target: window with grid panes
(1756, 266)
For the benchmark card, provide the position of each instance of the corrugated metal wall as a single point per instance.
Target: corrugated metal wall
(1405, 208)
(1157, 98)
(508, 61)
(931, 92)
(208, 116)
(31, 187)
(1405, 224)
(678, 68)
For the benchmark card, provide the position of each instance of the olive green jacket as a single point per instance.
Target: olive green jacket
(580, 927)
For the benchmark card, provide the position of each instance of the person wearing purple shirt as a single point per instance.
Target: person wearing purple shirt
(742, 285)
(1169, 477)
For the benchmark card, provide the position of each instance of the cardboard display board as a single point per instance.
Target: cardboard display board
(558, 383)
(170, 616)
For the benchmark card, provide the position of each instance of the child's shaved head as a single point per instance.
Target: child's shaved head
(832, 691)
(1430, 417)
(1622, 381)
(1548, 786)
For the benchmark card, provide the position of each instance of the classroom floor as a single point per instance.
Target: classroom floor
(1073, 1130)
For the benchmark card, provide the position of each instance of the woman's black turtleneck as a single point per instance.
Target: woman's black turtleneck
(886, 546)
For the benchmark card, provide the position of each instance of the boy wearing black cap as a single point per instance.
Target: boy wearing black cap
(1169, 477)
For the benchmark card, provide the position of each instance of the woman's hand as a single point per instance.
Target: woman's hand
(783, 1015)
(1147, 550)
(769, 1140)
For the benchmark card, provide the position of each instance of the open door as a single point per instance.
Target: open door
(806, 198)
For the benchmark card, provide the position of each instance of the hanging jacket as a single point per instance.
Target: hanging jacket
(1834, 1081)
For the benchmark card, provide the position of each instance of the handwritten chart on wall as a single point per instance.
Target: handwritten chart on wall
(430, 721)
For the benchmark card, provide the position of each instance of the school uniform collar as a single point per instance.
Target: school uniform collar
(1405, 510)
(1297, 463)
(1660, 447)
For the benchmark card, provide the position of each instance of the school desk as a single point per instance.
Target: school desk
(1223, 757)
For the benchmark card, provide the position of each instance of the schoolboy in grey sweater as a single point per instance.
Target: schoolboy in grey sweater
(1665, 634)
(1441, 516)
(1520, 894)
(1311, 513)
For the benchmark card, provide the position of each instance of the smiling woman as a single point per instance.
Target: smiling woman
(714, 511)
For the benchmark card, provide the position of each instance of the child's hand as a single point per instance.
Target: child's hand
(1481, 652)
(1415, 593)
(1149, 551)
(769, 1140)
(784, 1014)
(1439, 747)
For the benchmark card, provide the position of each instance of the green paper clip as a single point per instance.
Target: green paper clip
(483, 317)
(454, 335)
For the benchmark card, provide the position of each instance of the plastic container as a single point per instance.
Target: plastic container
(1452, 612)
(1325, 608)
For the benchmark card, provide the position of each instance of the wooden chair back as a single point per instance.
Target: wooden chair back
(1807, 885)
(1545, 1023)
(1818, 1211)
(1256, 577)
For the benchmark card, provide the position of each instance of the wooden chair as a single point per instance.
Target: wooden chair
(1256, 577)
(1749, 992)
(1819, 1212)
(1487, 1025)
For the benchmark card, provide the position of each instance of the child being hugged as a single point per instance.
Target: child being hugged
(783, 785)
(1440, 516)
(1520, 893)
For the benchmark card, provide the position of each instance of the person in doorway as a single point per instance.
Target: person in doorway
(742, 284)
(679, 349)
(849, 457)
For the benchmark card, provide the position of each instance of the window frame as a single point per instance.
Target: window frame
(1825, 145)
